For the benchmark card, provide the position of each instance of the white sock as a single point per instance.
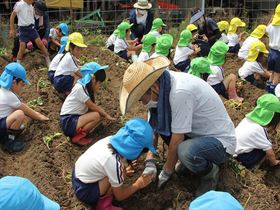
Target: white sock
(134, 58)
(18, 61)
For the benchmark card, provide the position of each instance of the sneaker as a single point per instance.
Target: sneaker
(12, 145)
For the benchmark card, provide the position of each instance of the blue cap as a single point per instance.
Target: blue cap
(19, 193)
(63, 43)
(13, 70)
(64, 28)
(215, 200)
(88, 69)
(131, 139)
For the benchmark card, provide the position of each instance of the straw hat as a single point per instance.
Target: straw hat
(142, 4)
(138, 78)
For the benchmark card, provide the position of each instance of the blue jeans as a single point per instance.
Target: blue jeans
(198, 154)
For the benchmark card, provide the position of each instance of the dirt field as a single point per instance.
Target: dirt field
(50, 168)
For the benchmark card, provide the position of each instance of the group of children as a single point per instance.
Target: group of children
(98, 174)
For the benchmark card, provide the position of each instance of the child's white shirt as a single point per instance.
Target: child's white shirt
(250, 68)
(182, 54)
(75, 101)
(155, 33)
(53, 34)
(217, 76)
(99, 162)
(249, 136)
(244, 50)
(55, 61)
(224, 38)
(233, 39)
(9, 102)
(67, 66)
(111, 40)
(25, 13)
(274, 36)
(120, 45)
(143, 56)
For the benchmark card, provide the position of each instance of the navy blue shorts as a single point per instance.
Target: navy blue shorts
(111, 47)
(221, 89)
(63, 83)
(183, 66)
(234, 49)
(250, 159)
(274, 60)
(123, 54)
(87, 193)
(28, 33)
(68, 124)
(3, 127)
(51, 76)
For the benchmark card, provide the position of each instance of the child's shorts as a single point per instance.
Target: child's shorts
(27, 33)
(250, 159)
(3, 127)
(68, 124)
(221, 89)
(234, 49)
(183, 66)
(63, 83)
(273, 60)
(111, 47)
(51, 76)
(88, 193)
(123, 54)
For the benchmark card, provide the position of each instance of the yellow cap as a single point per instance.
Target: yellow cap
(259, 31)
(191, 27)
(276, 17)
(234, 24)
(255, 49)
(223, 26)
(277, 10)
(77, 39)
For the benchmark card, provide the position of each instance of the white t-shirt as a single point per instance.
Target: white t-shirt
(120, 45)
(143, 56)
(111, 40)
(154, 55)
(249, 136)
(75, 101)
(55, 61)
(244, 50)
(155, 33)
(182, 54)
(98, 162)
(53, 33)
(141, 19)
(233, 40)
(217, 76)
(25, 13)
(250, 68)
(274, 36)
(224, 38)
(67, 65)
(197, 110)
(9, 102)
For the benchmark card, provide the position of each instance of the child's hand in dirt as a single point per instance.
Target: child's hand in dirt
(130, 169)
(44, 118)
(143, 181)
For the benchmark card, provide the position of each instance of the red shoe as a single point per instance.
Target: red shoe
(105, 203)
(79, 137)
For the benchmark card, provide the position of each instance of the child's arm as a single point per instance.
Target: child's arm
(78, 73)
(55, 41)
(195, 49)
(134, 48)
(266, 74)
(93, 107)
(271, 157)
(12, 22)
(32, 113)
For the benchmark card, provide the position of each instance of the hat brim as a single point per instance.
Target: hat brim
(242, 24)
(49, 204)
(26, 82)
(261, 116)
(196, 16)
(137, 6)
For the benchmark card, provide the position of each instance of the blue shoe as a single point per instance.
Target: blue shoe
(12, 145)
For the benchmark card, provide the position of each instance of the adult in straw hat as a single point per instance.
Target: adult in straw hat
(181, 105)
(142, 19)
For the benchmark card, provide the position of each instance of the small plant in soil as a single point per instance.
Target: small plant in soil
(237, 168)
(48, 139)
(36, 102)
(41, 84)
(235, 104)
(3, 51)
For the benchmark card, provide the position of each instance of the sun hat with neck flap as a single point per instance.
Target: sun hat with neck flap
(200, 66)
(223, 26)
(217, 53)
(259, 32)
(77, 39)
(255, 49)
(164, 43)
(142, 4)
(122, 27)
(138, 78)
(234, 24)
(148, 41)
(131, 139)
(263, 113)
(157, 23)
(185, 38)
(276, 17)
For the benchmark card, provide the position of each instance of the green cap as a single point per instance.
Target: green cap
(217, 53)
(200, 66)
(263, 113)
(116, 32)
(122, 29)
(157, 23)
(185, 38)
(148, 41)
(164, 43)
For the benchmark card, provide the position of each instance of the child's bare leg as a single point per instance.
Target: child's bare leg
(276, 78)
(89, 121)
(133, 55)
(230, 85)
(44, 50)
(15, 120)
(257, 76)
(104, 186)
(22, 46)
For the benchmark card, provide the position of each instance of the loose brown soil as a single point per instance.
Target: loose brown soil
(50, 169)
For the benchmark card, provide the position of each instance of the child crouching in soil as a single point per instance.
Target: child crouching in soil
(75, 118)
(12, 110)
(68, 70)
(98, 174)
(252, 143)
(234, 35)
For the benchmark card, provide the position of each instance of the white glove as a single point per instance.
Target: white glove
(163, 177)
(150, 168)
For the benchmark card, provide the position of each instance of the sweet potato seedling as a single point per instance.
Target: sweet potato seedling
(50, 137)
(36, 102)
